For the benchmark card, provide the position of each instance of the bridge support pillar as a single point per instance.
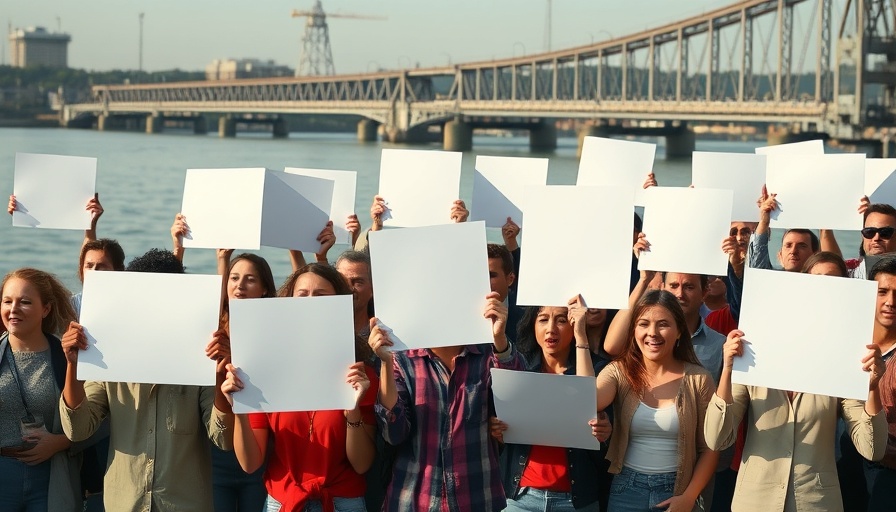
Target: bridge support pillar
(154, 123)
(544, 137)
(457, 136)
(200, 125)
(102, 122)
(281, 128)
(367, 130)
(226, 127)
(680, 144)
(786, 136)
(593, 130)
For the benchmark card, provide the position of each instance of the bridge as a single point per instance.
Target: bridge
(813, 67)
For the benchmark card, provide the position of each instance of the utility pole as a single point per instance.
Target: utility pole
(548, 26)
(140, 62)
(58, 24)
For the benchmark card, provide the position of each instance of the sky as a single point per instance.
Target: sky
(189, 34)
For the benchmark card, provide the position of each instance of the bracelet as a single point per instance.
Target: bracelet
(586, 347)
(502, 352)
(354, 424)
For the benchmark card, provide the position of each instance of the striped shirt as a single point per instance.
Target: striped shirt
(446, 460)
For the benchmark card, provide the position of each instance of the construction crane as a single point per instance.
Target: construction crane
(317, 58)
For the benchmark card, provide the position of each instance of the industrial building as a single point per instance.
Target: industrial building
(35, 46)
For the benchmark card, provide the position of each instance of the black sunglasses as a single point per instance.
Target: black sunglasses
(885, 232)
(743, 232)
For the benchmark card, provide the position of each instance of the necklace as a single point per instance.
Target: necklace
(311, 423)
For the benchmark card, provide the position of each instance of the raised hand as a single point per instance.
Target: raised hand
(734, 347)
(358, 380)
(353, 226)
(379, 341)
(377, 209)
(496, 311)
(232, 384)
(496, 429)
(459, 212)
(95, 209)
(650, 181)
(601, 428)
(218, 349)
(327, 239)
(11, 207)
(509, 232)
(73, 341)
(576, 312)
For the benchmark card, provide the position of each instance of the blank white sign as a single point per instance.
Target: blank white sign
(499, 187)
(806, 147)
(806, 333)
(578, 241)
(743, 173)
(880, 180)
(343, 204)
(52, 191)
(616, 163)
(149, 327)
(816, 191)
(545, 409)
(684, 237)
(296, 209)
(419, 187)
(293, 353)
(425, 277)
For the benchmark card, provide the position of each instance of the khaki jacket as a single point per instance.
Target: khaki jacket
(788, 461)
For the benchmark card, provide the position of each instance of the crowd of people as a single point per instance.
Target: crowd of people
(671, 431)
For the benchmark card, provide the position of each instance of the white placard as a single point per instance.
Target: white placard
(296, 209)
(419, 187)
(248, 208)
(744, 173)
(806, 147)
(545, 409)
(293, 353)
(816, 191)
(683, 237)
(123, 346)
(616, 163)
(343, 205)
(806, 333)
(499, 187)
(223, 208)
(426, 276)
(52, 191)
(880, 180)
(578, 241)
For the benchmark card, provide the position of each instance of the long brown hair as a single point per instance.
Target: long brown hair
(632, 360)
(52, 293)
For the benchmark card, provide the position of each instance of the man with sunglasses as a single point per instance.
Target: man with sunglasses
(877, 237)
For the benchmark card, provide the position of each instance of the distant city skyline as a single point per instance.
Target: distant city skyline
(190, 34)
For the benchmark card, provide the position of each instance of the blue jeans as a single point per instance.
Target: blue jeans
(232, 489)
(340, 504)
(529, 499)
(23, 488)
(639, 492)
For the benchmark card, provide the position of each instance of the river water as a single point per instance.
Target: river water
(140, 181)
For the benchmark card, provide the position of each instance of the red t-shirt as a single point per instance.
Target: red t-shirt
(547, 469)
(304, 467)
(721, 320)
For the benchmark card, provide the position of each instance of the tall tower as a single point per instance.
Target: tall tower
(317, 58)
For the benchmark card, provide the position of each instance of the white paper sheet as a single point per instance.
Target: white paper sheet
(880, 180)
(684, 237)
(616, 163)
(545, 409)
(806, 147)
(223, 208)
(419, 187)
(744, 173)
(816, 191)
(148, 327)
(293, 353)
(343, 204)
(499, 187)
(52, 191)
(296, 208)
(806, 333)
(430, 283)
(578, 240)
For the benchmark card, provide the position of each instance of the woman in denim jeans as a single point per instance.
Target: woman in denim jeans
(659, 394)
(539, 478)
(319, 457)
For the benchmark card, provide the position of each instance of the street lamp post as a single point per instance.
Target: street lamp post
(140, 48)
